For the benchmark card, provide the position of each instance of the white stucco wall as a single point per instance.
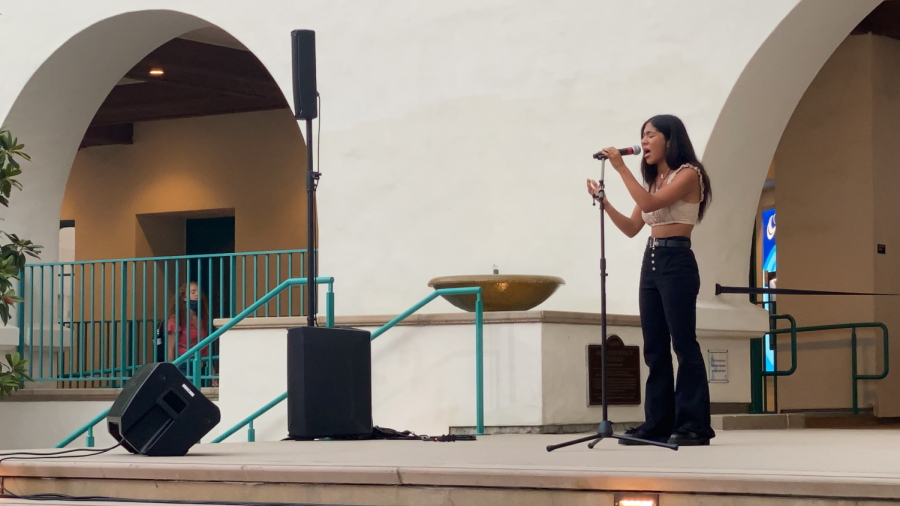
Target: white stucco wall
(457, 135)
(44, 424)
(37, 424)
(423, 377)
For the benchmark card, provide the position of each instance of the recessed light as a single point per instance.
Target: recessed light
(635, 499)
(156, 72)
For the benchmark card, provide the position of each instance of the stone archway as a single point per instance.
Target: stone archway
(750, 125)
(53, 111)
(56, 105)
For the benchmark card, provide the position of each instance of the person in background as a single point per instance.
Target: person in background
(190, 327)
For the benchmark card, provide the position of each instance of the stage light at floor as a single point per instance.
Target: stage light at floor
(156, 72)
(632, 499)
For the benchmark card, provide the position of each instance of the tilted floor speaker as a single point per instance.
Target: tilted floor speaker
(329, 382)
(160, 413)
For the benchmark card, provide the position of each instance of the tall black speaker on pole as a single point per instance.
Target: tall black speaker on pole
(303, 45)
(329, 391)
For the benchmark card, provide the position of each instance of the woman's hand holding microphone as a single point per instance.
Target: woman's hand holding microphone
(615, 159)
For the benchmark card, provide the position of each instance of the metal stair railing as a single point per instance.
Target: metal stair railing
(93, 323)
(88, 427)
(854, 371)
(756, 357)
(479, 363)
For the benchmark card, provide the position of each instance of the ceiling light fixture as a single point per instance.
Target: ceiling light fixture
(156, 72)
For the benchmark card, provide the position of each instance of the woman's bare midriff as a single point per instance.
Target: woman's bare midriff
(672, 230)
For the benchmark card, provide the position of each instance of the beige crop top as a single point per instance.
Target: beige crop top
(679, 212)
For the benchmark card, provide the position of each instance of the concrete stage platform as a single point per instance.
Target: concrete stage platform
(785, 467)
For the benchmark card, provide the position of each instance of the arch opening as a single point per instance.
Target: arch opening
(152, 133)
(816, 123)
(93, 96)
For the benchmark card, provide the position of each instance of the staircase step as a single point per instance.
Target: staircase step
(841, 420)
(759, 422)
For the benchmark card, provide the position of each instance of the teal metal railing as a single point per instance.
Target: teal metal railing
(248, 422)
(93, 323)
(773, 333)
(193, 354)
(479, 363)
(758, 372)
(854, 368)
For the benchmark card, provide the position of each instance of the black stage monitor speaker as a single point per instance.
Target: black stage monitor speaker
(303, 45)
(329, 382)
(160, 413)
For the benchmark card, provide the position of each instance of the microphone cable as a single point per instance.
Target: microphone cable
(56, 455)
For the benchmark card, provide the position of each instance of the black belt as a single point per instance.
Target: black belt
(653, 242)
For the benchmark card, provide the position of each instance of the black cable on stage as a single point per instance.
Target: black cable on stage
(56, 455)
(788, 291)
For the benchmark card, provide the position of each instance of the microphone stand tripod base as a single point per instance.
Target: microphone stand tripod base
(605, 431)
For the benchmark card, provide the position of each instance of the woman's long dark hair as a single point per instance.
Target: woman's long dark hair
(679, 151)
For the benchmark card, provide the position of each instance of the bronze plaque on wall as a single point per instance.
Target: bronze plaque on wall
(623, 373)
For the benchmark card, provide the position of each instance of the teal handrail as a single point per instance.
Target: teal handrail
(95, 322)
(178, 257)
(793, 331)
(249, 420)
(856, 377)
(215, 335)
(479, 360)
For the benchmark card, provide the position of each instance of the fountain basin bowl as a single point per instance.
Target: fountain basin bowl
(500, 292)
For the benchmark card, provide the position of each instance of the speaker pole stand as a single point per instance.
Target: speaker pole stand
(312, 178)
(605, 430)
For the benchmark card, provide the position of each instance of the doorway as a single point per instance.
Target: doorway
(212, 236)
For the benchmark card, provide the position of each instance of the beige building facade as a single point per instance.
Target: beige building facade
(457, 136)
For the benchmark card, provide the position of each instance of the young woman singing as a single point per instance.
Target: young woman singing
(672, 200)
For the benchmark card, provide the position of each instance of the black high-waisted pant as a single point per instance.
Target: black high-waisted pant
(669, 285)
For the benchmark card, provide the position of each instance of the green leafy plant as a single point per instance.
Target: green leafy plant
(12, 374)
(13, 254)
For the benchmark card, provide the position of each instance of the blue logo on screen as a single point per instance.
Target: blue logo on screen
(768, 243)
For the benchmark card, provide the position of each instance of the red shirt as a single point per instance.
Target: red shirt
(187, 341)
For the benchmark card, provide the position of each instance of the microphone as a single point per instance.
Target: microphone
(633, 150)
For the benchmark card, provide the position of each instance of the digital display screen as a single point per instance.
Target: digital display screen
(769, 267)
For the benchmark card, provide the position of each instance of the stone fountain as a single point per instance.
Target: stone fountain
(500, 292)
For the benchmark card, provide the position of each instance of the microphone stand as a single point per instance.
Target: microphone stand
(605, 429)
